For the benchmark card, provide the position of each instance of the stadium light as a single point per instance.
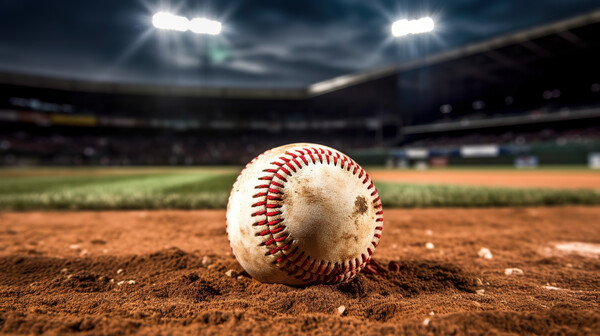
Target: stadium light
(168, 21)
(407, 27)
(205, 26)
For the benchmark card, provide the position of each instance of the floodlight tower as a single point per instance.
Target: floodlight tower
(170, 22)
(404, 28)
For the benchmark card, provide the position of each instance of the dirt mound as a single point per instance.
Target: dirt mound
(178, 279)
(151, 277)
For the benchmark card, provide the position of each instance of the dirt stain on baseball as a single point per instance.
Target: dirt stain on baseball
(360, 206)
(350, 236)
(313, 195)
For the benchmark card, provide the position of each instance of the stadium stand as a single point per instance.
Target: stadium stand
(541, 85)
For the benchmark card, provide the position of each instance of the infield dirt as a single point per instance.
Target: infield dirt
(172, 272)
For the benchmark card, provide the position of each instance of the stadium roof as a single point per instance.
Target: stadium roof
(562, 29)
(147, 89)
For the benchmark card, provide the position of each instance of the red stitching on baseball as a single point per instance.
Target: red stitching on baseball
(320, 268)
(264, 232)
(280, 229)
(271, 206)
(273, 222)
(312, 265)
(273, 213)
(291, 166)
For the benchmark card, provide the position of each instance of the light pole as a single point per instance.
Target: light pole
(170, 22)
(404, 28)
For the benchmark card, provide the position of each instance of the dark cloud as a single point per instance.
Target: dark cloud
(265, 42)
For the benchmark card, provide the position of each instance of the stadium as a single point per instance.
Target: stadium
(508, 91)
(485, 156)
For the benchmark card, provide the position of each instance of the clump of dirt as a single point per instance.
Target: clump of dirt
(425, 276)
(382, 311)
(188, 286)
(81, 282)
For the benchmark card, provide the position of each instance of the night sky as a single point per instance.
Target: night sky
(264, 43)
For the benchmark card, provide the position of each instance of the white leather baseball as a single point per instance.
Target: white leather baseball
(302, 214)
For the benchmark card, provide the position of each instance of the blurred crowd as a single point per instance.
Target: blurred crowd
(560, 137)
(23, 148)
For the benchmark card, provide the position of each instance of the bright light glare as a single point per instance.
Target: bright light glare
(205, 26)
(168, 21)
(406, 27)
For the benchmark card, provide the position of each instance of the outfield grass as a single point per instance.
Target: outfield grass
(161, 188)
(180, 190)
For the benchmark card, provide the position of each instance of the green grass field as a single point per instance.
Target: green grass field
(208, 188)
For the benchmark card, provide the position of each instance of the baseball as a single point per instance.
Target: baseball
(303, 214)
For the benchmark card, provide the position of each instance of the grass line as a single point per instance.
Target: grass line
(211, 190)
